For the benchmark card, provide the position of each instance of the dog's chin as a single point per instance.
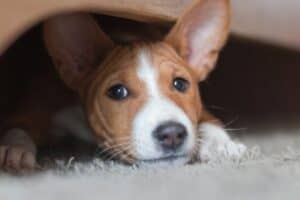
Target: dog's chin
(169, 161)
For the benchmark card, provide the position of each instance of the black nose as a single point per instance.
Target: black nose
(170, 135)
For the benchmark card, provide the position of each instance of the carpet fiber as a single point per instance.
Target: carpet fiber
(270, 170)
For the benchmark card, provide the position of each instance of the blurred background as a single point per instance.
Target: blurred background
(257, 78)
(274, 21)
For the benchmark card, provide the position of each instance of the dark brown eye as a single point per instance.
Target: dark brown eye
(118, 92)
(181, 84)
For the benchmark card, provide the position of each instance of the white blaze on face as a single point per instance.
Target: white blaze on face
(157, 110)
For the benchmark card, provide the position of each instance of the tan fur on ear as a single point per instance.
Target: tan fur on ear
(200, 33)
(76, 44)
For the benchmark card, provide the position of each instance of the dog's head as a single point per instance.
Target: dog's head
(142, 100)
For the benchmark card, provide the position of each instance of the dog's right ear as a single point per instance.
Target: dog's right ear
(200, 33)
(76, 44)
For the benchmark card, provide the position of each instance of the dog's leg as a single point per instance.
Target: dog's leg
(23, 133)
(215, 141)
(29, 128)
(17, 151)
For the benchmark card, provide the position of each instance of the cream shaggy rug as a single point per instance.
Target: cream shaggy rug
(270, 170)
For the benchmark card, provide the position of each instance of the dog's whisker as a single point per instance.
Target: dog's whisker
(123, 139)
(120, 145)
(235, 129)
(114, 155)
(107, 150)
(213, 121)
(112, 147)
(118, 152)
(231, 122)
(104, 150)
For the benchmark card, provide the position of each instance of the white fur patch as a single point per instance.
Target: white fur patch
(156, 110)
(216, 143)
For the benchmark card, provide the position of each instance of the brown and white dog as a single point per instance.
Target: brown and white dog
(141, 101)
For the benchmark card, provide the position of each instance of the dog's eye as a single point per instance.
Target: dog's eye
(118, 92)
(181, 84)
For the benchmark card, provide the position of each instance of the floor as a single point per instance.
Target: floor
(270, 170)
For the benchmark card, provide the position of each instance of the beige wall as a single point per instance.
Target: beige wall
(272, 20)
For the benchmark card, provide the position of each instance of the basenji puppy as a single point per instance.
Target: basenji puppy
(140, 101)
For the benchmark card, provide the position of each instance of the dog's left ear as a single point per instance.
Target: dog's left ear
(200, 33)
(77, 45)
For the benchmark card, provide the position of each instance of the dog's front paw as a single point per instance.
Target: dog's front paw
(17, 152)
(16, 159)
(216, 144)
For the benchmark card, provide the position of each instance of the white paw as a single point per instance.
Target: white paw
(216, 144)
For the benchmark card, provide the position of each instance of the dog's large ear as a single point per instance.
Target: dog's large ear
(76, 44)
(200, 33)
